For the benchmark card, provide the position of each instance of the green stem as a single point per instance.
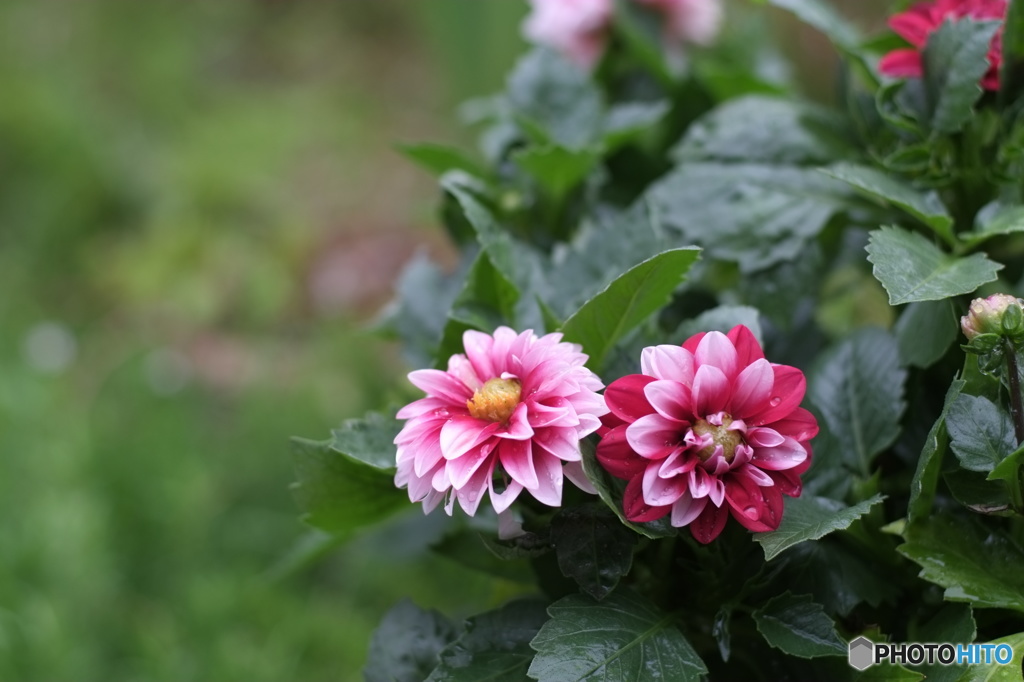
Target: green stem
(1016, 404)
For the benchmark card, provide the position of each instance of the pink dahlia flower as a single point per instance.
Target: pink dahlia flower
(579, 28)
(507, 416)
(921, 20)
(709, 429)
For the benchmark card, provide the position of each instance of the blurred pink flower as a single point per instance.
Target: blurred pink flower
(921, 20)
(579, 28)
(505, 417)
(710, 428)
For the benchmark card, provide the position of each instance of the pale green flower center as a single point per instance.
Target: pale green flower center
(720, 435)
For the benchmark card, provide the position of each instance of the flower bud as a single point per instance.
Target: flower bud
(997, 314)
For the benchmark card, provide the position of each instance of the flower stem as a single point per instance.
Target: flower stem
(1016, 404)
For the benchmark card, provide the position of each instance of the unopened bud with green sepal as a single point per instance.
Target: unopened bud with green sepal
(996, 316)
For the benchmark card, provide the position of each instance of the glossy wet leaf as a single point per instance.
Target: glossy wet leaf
(799, 627)
(980, 431)
(925, 331)
(929, 464)
(954, 61)
(593, 547)
(406, 644)
(810, 518)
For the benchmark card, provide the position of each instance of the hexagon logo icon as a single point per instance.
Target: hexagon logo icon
(862, 653)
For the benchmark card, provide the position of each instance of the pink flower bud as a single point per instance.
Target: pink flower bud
(985, 315)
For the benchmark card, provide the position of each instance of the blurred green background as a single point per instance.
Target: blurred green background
(201, 209)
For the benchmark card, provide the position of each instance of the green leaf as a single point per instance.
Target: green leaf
(557, 99)
(1011, 76)
(799, 627)
(925, 331)
(469, 548)
(556, 168)
(875, 184)
(822, 17)
(980, 432)
(339, 490)
(623, 638)
(417, 315)
(439, 158)
(973, 490)
(810, 518)
(787, 133)
(993, 672)
(756, 215)
(593, 548)
(611, 495)
(627, 302)
(837, 577)
(1006, 220)
(405, 645)
(953, 623)
(977, 565)
(911, 268)
(929, 464)
(487, 300)
(858, 388)
(495, 646)
(954, 60)
(627, 121)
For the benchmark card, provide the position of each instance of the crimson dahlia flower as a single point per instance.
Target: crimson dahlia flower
(709, 429)
(921, 20)
(507, 416)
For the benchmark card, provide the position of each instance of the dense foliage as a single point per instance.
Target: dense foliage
(640, 197)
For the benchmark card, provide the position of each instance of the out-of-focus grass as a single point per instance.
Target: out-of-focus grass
(169, 174)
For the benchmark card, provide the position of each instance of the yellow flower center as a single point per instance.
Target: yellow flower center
(720, 435)
(496, 400)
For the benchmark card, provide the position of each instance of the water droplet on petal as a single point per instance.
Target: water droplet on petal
(750, 512)
(774, 402)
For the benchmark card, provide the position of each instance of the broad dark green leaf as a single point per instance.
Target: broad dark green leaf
(799, 627)
(557, 99)
(929, 464)
(974, 490)
(627, 301)
(1007, 470)
(980, 432)
(953, 623)
(593, 547)
(405, 645)
(622, 638)
(756, 215)
(1005, 220)
(875, 184)
(858, 388)
(417, 315)
(495, 646)
(925, 331)
(810, 518)
(993, 672)
(975, 564)
(469, 548)
(340, 492)
(954, 62)
(837, 577)
(556, 168)
(821, 16)
(787, 132)
(439, 158)
(911, 268)
(1011, 76)
(630, 120)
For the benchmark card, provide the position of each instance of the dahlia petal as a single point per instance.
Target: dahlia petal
(710, 390)
(549, 479)
(517, 459)
(757, 508)
(717, 493)
(559, 412)
(461, 434)
(785, 456)
(588, 425)
(503, 500)
(709, 524)
(634, 507)
(651, 434)
(418, 428)
(662, 492)
(788, 482)
(562, 444)
(686, 509)
(752, 389)
(913, 26)
(764, 437)
(625, 397)
(670, 399)
(699, 482)
(759, 477)
(478, 351)
(440, 384)
(431, 501)
(518, 425)
(716, 349)
(428, 455)
(668, 362)
(748, 349)
(462, 369)
(473, 492)
(677, 463)
(617, 457)
(902, 63)
(423, 406)
(787, 394)
(691, 343)
(462, 469)
(575, 473)
(799, 425)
